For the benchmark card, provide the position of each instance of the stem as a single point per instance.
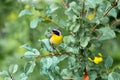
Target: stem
(114, 4)
(85, 71)
(83, 6)
(52, 54)
(115, 23)
(82, 12)
(11, 76)
(65, 4)
(48, 19)
(99, 36)
(93, 28)
(108, 10)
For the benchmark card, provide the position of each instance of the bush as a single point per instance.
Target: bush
(84, 25)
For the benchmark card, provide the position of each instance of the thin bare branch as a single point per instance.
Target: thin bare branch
(114, 4)
(64, 4)
(116, 22)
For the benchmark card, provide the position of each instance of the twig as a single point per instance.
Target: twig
(99, 36)
(48, 19)
(73, 34)
(114, 4)
(85, 71)
(93, 28)
(65, 4)
(83, 7)
(108, 10)
(52, 54)
(81, 14)
(115, 23)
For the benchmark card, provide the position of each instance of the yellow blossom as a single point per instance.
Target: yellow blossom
(90, 16)
(27, 6)
(96, 59)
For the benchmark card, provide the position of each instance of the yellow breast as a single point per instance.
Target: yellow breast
(55, 39)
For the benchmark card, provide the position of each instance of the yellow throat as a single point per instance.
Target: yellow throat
(56, 39)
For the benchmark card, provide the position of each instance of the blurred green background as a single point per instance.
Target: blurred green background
(15, 32)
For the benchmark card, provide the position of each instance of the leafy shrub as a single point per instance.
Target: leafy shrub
(84, 25)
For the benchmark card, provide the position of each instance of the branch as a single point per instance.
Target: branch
(48, 19)
(52, 54)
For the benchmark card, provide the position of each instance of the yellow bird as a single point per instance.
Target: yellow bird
(56, 37)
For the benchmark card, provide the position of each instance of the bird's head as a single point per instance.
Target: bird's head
(56, 32)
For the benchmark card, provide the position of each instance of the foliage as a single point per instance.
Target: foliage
(81, 49)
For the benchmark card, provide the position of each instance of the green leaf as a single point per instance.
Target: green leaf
(46, 64)
(27, 47)
(29, 67)
(29, 55)
(72, 62)
(13, 68)
(105, 20)
(72, 26)
(49, 62)
(119, 4)
(113, 13)
(46, 44)
(25, 12)
(93, 76)
(104, 76)
(52, 8)
(44, 51)
(84, 41)
(66, 73)
(30, 49)
(35, 51)
(43, 63)
(62, 57)
(69, 39)
(78, 78)
(34, 22)
(117, 69)
(4, 73)
(114, 76)
(72, 4)
(108, 62)
(23, 76)
(73, 11)
(76, 29)
(62, 47)
(7, 78)
(74, 50)
(107, 33)
(49, 65)
(92, 3)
